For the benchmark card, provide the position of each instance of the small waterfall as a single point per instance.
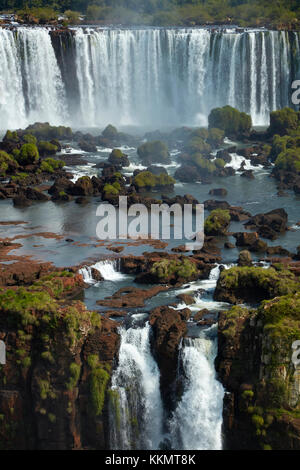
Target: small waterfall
(136, 412)
(238, 160)
(107, 268)
(196, 423)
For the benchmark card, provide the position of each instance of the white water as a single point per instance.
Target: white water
(196, 423)
(237, 160)
(107, 268)
(138, 425)
(144, 77)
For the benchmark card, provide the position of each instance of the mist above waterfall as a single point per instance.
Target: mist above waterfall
(142, 77)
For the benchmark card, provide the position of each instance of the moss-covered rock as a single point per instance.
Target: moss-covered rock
(230, 120)
(217, 222)
(153, 152)
(147, 180)
(253, 284)
(28, 154)
(283, 121)
(174, 270)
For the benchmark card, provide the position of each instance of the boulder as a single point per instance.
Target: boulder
(244, 258)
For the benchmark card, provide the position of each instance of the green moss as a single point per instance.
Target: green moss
(50, 165)
(166, 268)
(114, 400)
(29, 139)
(154, 152)
(5, 161)
(28, 154)
(257, 420)
(230, 120)
(98, 382)
(74, 375)
(283, 121)
(217, 222)
(146, 179)
(267, 281)
(51, 417)
(289, 160)
(111, 189)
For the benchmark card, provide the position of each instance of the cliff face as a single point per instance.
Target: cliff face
(262, 404)
(59, 359)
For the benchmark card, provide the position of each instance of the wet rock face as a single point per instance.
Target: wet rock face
(254, 363)
(169, 327)
(53, 388)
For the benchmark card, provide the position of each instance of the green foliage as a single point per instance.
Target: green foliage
(198, 145)
(216, 136)
(281, 14)
(267, 281)
(11, 137)
(230, 120)
(73, 17)
(28, 154)
(47, 148)
(111, 189)
(207, 167)
(217, 222)
(154, 152)
(50, 165)
(29, 139)
(74, 375)
(146, 179)
(99, 378)
(5, 160)
(167, 268)
(283, 121)
(289, 160)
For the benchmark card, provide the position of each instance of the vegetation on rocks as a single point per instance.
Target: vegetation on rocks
(230, 120)
(153, 152)
(167, 269)
(146, 179)
(217, 222)
(253, 284)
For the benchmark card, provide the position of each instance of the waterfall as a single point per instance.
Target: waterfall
(107, 268)
(136, 410)
(146, 77)
(30, 80)
(196, 423)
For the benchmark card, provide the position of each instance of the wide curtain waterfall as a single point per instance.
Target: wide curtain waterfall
(144, 77)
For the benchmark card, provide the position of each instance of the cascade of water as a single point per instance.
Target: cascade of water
(143, 76)
(107, 268)
(12, 103)
(196, 423)
(136, 411)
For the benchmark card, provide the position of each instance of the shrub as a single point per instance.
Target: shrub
(283, 121)
(230, 120)
(47, 148)
(5, 160)
(289, 160)
(28, 154)
(153, 152)
(166, 268)
(146, 179)
(73, 17)
(74, 375)
(111, 189)
(216, 136)
(217, 222)
(49, 165)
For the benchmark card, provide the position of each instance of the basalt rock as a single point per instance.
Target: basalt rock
(269, 225)
(254, 363)
(169, 327)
